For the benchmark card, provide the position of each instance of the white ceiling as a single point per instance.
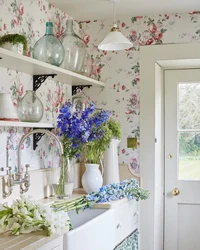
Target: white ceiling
(83, 10)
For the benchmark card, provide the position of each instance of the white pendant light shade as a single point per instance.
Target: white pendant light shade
(115, 40)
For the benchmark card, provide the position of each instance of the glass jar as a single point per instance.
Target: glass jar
(69, 177)
(30, 108)
(49, 49)
(87, 66)
(75, 49)
(80, 101)
(63, 187)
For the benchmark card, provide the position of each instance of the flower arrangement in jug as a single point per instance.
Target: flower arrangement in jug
(81, 131)
(93, 150)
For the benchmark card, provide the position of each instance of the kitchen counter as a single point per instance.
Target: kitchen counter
(30, 241)
(36, 240)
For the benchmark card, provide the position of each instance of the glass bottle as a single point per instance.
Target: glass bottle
(75, 49)
(49, 49)
(30, 108)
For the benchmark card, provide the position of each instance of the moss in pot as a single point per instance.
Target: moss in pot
(14, 42)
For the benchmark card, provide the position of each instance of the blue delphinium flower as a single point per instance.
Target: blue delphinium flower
(126, 189)
(115, 191)
(79, 127)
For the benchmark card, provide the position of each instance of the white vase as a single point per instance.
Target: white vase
(111, 163)
(92, 179)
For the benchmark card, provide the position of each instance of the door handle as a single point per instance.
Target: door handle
(175, 192)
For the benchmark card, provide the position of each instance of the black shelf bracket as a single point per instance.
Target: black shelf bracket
(39, 79)
(81, 87)
(37, 137)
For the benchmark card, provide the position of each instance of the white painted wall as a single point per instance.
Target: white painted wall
(40, 180)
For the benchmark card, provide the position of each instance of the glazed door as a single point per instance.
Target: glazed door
(182, 160)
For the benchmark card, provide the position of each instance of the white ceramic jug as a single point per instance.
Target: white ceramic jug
(92, 178)
(111, 163)
(7, 110)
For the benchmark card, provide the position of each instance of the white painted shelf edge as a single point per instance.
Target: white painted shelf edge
(25, 124)
(14, 61)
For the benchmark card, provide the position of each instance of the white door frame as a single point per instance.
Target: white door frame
(153, 61)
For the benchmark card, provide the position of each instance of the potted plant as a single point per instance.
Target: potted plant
(14, 42)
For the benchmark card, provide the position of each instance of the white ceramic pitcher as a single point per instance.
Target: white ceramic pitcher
(92, 178)
(111, 163)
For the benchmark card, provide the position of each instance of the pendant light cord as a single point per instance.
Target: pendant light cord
(114, 13)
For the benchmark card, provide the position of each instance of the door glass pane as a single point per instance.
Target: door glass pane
(188, 115)
(189, 156)
(189, 106)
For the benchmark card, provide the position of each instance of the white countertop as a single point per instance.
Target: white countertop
(30, 241)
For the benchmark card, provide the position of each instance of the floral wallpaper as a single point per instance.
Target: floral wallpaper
(28, 17)
(121, 70)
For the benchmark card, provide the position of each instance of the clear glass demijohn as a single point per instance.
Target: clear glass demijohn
(75, 49)
(30, 108)
(49, 49)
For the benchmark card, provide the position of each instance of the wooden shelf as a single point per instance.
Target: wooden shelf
(14, 61)
(25, 124)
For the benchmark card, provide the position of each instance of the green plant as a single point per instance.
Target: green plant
(115, 128)
(14, 39)
(94, 150)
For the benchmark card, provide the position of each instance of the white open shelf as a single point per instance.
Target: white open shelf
(12, 60)
(25, 124)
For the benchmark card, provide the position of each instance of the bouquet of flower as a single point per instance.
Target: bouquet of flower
(26, 215)
(76, 129)
(116, 191)
(93, 151)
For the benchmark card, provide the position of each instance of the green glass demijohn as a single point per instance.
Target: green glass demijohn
(75, 49)
(49, 49)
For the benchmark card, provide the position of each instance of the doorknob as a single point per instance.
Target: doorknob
(175, 191)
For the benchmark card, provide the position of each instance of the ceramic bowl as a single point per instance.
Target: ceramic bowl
(7, 110)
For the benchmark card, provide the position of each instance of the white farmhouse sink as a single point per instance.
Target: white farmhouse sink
(93, 229)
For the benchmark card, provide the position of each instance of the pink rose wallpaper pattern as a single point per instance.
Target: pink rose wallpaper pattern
(29, 18)
(121, 69)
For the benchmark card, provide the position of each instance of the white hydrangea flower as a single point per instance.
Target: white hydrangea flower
(11, 221)
(26, 215)
(31, 204)
(37, 215)
(23, 210)
(2, 224)
(15, 226)
(26, 228)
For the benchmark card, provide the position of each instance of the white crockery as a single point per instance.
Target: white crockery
(7, 109)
